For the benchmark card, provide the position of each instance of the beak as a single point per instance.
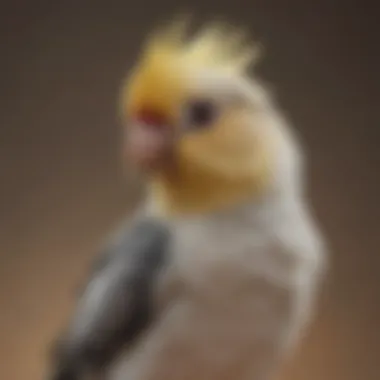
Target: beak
(150, 147)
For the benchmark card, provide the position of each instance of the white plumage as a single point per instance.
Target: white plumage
(226, 288)
(242, 285)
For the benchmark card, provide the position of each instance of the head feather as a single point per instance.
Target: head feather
(171, 52)
(216, 45)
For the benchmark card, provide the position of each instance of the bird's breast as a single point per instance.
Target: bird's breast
(233, 311)
(218, 257)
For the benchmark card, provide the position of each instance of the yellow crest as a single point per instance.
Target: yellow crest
(170, 54)
(216, 45)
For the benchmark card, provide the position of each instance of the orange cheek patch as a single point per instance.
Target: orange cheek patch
(152, 117)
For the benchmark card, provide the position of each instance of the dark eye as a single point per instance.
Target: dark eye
(200, 113)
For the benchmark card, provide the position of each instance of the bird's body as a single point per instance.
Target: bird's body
(217, 276)
(233, 299)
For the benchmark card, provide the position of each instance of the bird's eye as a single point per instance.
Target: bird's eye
(200, 113)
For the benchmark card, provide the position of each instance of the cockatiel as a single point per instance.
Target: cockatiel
(217, 275)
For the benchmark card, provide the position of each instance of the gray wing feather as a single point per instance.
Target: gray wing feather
(116, 305)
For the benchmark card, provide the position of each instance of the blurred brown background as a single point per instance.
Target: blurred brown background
(61, 181)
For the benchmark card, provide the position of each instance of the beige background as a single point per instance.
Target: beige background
(61, 184)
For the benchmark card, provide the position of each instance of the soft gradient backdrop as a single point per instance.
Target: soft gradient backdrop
(61, 182)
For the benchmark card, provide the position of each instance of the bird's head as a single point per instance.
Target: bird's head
(202, 131)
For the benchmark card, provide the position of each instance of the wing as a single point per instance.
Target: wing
(116, 304)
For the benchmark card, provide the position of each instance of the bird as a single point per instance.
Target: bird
(217, 274)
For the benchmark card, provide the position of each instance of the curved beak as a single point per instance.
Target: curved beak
(150, 147)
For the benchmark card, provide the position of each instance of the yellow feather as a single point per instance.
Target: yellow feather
(226, 157)
(170, 54)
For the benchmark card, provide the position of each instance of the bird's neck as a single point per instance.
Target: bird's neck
(202, 192)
